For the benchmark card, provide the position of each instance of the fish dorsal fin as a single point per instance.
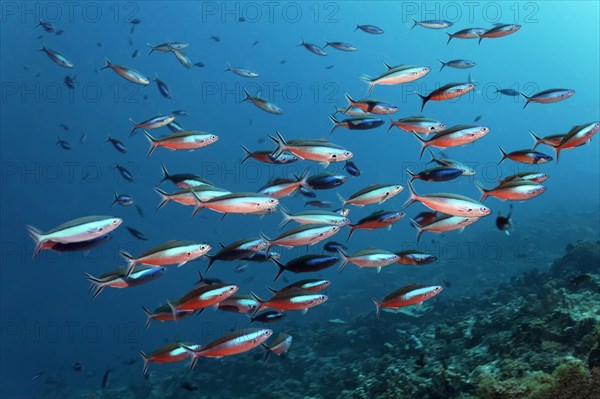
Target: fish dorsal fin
(221, 244)
(388, 66)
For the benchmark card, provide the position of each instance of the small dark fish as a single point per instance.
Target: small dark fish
(175, 127)
(139, 210)
(125, 174)
(282, 62)
(199, 64)
(333, 246)
(329, 67)
(307, 193)
(59, 32)
(508, 92)
(77, 367)
(241, 268)
(119, 146)
(82, 138)
(70, 81)
(163, 89)
(122, 199)
(320, 204)
(583, 279)
(477, 118)
(352, 168)
(188, 386)
(145, 96)
(64, 126)
(326, 181)
(241, 19)
(135, 21)
(106, 379)
(47, 26)
(313, 48)
(436, 174)
(270, 316)
(504, 223)
(65, 146)
(448, 284)
(255, 43)
(180, 112)
(137, 234)
(135, 54)
(216, 39)
(372, 29)
(37, 375)
(98, 44)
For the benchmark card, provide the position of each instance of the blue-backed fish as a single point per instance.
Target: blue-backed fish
(454, 136)
(184, 180)
(313, 48)
(436, 174)
(548, 96)
(396, 75)
(127, 73)
(499, 30)
(432, 24)
(340, 46)
(240, 202)
(371, 106)
(265, 156)
(153, 123)
(516, 190)
(238, 250)
(245, 72)
(317, 150)
(314, 217)
(443, 223)
(446, 92)
(468, 33)
(368, 258)
(458, 64)
(373, 194)
(372, 29)
(117, 278)
(415, 257)
(57, 57)
(525, 156)
(119, 146)
(377, 220)
(418, 124)
(263, 104)
(186, 140)
(411, 294)
(451, 204)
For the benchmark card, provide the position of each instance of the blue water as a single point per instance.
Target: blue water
(48, 320)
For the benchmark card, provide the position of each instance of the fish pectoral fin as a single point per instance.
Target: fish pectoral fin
(182, 263)
(379, 269)
(304, 311)
(325, 165)
(419, 303)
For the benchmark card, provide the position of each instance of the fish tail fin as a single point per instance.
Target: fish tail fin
(484, 191)
(106, 61)
(342, 200)
(129, 259)
(267, 355)
(148, 317)
(344, 258)
(211, 260)
(281, 268)
(350, 100)
(173, 309)
(377, 306)
(228, 67)
(247, 154)
(433, 158)
(391, 125)
(153, 143)
(166, 175)
(424, 99)
(146, 359)
(450, 37)
(261, 303)
(479, 37)
(413, 196)
(37, 238)
(301, 42)
(116, 198)
(199, 203)
(418, 227)
(415, 23)
(135, 126)
(443, 65)
(247, 95)
(537, 140)
(557, 152)
(286, 217)
(504, 154)
(164, 198)
(336, 123)
(96, 283)
(411, 173)
(357, 28)
(527, 100)
(303, 180)
(424, 143)
(151, 48)
(193, 353)
(352, 228)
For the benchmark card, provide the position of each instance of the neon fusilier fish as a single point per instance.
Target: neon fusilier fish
(306, 264)
(468, 33)
(352, 169)
(340, 46)
(436, 174)
(467, 171)
(122, 199)
(516, 190)
(127, 73)
(175, 127)
(268, 316)
(245, 72)
(451, 204)
(432, 24)
(57, 57)
(242, 202)
(291, 300)
(443, 223)
(117, 278)
(552, 141)
(458, 64)
(180, 112)
(187, 196)
(238, 303)
(332, 246)
(415, 258)
(124, 172)
(372, 29)
(313, 48)
(446, 92)
(418, 124)
(319, 203)
(164, 313)
(499, 30)
(454, 136)
(530, 157)
(237, 250)
(119, 146)
(373, 194)
(183, 58)
(305, 234)
(536, 177)
(412, 294)
(184, 180)
(377, 220)
(508, 92)
(280, 187)
(325, 181)
(396, 75)
(577, 136)
(263, 104)
(186, 140)
(307, 285)
(169, 353)
(549, 96)
(371, 106)
(136, 233)
(314, 217)
(63, 144)
(280, 345)
(201, 297)
(152, 123)
(163, 89)
(265, 157)
(232, 343)
(76, 230)
(372, 258)
(316, 150)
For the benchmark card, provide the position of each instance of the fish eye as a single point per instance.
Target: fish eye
(271, 200)
(189, 254)
(333, 156)
(213, 137)
(115, 221)
(387, 193)
(100, 228)
(469, 210)
(483, 209)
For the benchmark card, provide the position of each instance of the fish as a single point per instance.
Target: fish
(164, 90)
(118, 278)
(577, 136)
(552, 140)
(371, 106)
(415, 258)
(444, 223)
(262, 256)
(321, 151)
(436, 174)
(418, 124)
(122, 199)
(291, 300)
(333, 246)
(425, 218)
(74, 231)
(201, 297)
(499, 30)
(530, 157)
(83, 246)
(238, 303)
(77, 367)
(319, 203)
(175, 127)
(168, 253)
(119, 146)
(372, 29)
(377, 220)
(216, 39)
(432, 24)
(356, 123)
(307, 285)
(352, 169)
(458, 64)
(373, 194)
(468, 33)
(265, 157)
(477, 118)
(325, 181)
(372, 257)
(167, 47)
(188, 386)
(180, 112)
(124, 172)
(184, 180)
(241, 268)
(127, 73)
(245, 72)
(305, 234)
(411, 294)
(152, 123)
(516, 190)
(282, 187)
(451, 204)
(135, 54)
(46, 26)
(183, 58)
(314, 217)
(508, 92)
(169, 353)
(199, 64)
(306, 264)
(548, 96)
(268, 316)
(280, 345)
(504, 223)
(467, 171)
(233, 343)
(63, 144)
(164, 313)
(396, 75)
(340, 46)
(313, 48)
(37, 375)
(237, 250)
(454, 136)
(242, 202)
(57, 57)
(536, 177)
(187, 196)
(446, 92)
(186, 140)
(70, 81)
(263, 104)
(136, 233)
